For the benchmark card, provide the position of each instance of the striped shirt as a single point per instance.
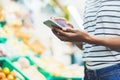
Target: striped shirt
(102, 18)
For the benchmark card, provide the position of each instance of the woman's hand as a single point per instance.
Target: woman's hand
(70, 34)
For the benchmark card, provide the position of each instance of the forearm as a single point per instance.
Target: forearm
(111, 42)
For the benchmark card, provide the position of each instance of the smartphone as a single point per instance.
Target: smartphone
(51, 23)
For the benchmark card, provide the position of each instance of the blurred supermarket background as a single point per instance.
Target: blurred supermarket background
(28, 48)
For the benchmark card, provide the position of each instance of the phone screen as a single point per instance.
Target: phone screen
(52, 23)
(61, 22)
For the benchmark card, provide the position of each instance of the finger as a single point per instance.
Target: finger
(69, 24)
(60, 19)
(57, 18)
(61, 37)
(67, 33)
(63, 33)
(69, 29)
(65, 28)
(52, 17)
(54, 31)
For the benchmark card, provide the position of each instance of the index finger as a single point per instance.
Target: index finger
(57, 18)
(61, 32)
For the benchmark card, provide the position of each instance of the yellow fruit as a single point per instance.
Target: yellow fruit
(10, 77)
(2, 75)
(12, 74)
(6, 70)
(15, 79)
(4, 79)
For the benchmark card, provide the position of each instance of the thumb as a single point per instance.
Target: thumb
(69, 25)
(68, 29)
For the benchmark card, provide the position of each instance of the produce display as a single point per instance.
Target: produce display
(28, 69)
(71, 71)
(6, 74)
(16, 31)
(11, 45)
(22, 34)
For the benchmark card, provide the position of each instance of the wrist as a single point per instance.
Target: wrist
(91, 39)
